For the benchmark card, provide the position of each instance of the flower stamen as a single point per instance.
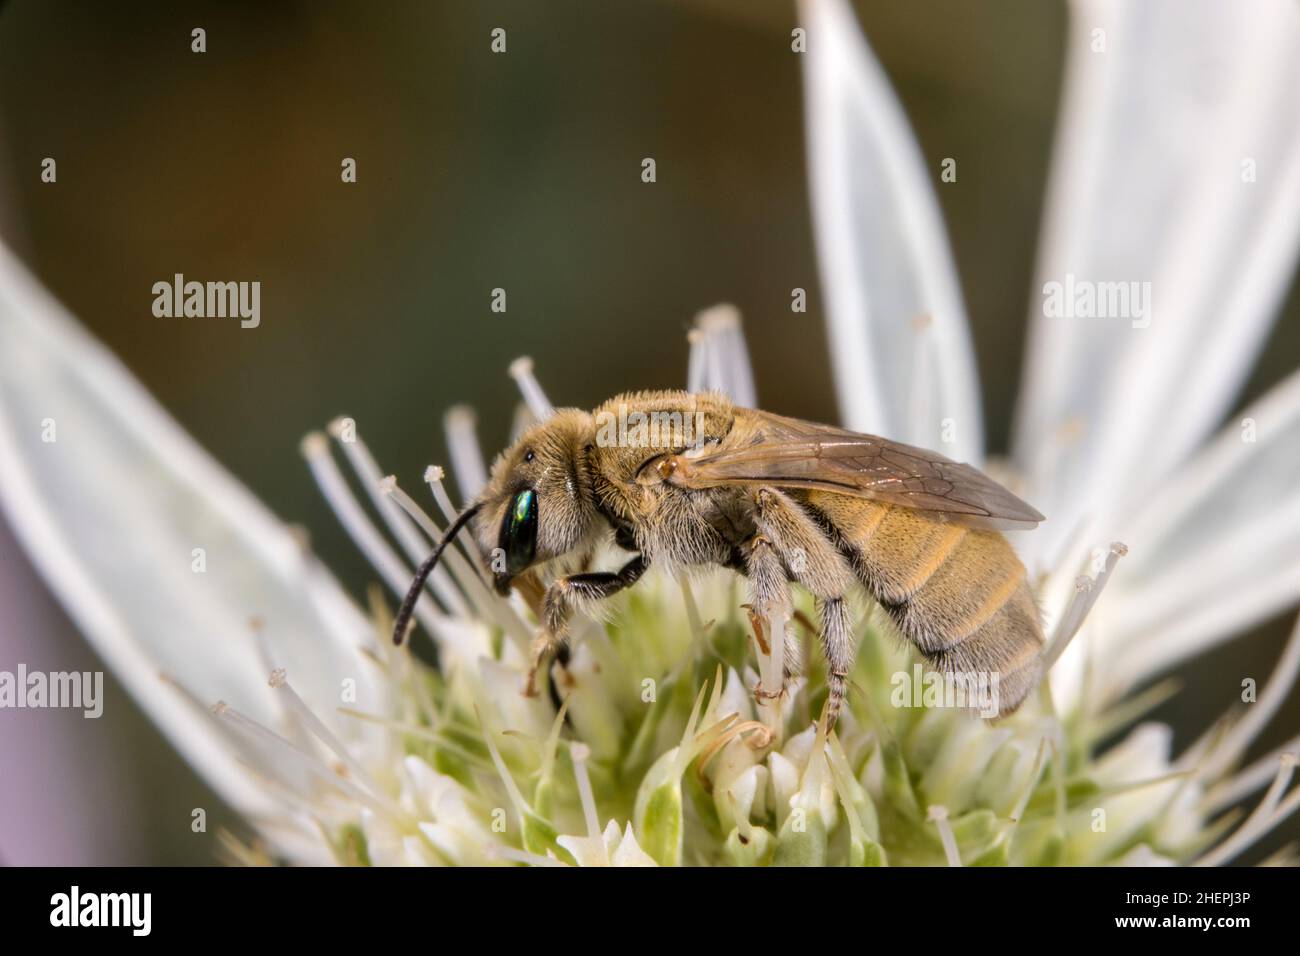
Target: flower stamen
(309, 762)
(719, 358)
(1247, 781)
(521, 370)
(416, 547)
(580, 753)
(1239, 736)
(279, 680)
(363, 533)
(463, 571)
(1271, 811)
(460, 426)
(433, 477)
(938, 815)
(1087, 591)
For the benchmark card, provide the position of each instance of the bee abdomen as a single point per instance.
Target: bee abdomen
(976, 617)
(960, 595)
(900, 551)
(976, 580)
(1009, 645)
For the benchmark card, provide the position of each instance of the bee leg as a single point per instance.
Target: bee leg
(837, 646)
(541, 648)
(563, 597)
(813, 561)
(770, 594)
(791, 661)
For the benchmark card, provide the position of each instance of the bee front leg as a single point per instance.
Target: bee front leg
(566, 595)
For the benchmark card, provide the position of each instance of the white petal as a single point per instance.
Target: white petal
(785, 784)
(741, 797)
(500, 696)
(593, 709)
(900, 346)
(799, 748)
(384, 842)
(960, 763)
(1218, 548)
(629, 852)
(1143, 855)
(1147, 187)
(1142, 756)
(735, 698)
(111, 511)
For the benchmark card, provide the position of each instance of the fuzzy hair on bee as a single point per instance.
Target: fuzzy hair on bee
(779, 500)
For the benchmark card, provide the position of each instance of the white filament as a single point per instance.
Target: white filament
(521, 370)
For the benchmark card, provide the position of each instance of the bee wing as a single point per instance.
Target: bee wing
(787, 452)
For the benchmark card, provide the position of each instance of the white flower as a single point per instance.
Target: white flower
(1156, 178)
(338, 747)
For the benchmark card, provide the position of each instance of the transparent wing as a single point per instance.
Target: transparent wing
(787, 452)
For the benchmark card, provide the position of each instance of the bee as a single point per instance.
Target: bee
(779, 500)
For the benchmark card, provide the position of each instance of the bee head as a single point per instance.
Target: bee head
(539, 503)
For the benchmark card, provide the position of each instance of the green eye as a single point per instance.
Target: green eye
(519, 533)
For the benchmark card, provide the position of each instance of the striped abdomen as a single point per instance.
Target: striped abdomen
(959, 594)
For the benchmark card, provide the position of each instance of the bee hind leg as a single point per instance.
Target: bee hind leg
(837, 646)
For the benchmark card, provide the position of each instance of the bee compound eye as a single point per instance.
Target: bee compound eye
(519, 532)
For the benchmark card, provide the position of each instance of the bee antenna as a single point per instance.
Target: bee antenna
(422, 573)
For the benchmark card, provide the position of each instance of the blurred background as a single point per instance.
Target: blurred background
(474, 171)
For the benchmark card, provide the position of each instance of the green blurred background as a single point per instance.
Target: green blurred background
(477, 171)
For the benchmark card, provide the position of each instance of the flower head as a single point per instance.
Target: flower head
(681, 728)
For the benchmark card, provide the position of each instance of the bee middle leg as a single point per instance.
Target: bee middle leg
(813, 560)
(770, 594)
(563, 597)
